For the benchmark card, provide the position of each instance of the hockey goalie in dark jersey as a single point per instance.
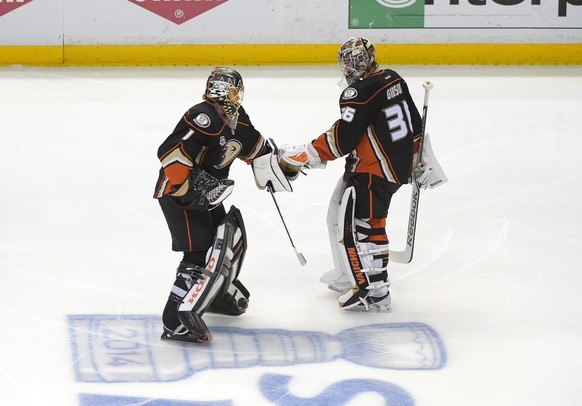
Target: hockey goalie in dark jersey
(192, 185)
(378, 133)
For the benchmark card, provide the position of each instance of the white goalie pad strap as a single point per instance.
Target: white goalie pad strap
(374, 256)
(429, 173)
(268, 172)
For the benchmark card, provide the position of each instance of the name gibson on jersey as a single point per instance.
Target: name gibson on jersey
(394, 91)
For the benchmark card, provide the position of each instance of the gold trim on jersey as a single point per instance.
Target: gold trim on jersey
(383, 160)
(332, 142)
(176, 155)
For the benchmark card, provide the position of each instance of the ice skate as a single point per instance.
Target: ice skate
(378, 300)
(181, 333)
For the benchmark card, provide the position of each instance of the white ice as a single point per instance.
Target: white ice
(86, 265)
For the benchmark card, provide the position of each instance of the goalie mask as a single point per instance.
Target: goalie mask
(225, 87)
(356, 59)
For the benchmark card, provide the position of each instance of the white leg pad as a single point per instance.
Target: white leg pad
(337, 279)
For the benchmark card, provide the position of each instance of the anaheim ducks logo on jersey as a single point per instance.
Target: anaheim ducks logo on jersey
(229, 152)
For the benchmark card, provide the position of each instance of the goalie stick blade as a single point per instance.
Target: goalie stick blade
(401, 257)
(301, 258)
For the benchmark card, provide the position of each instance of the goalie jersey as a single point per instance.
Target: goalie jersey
(379, 129)
(203, 138)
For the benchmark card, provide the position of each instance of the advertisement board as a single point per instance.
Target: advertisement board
(285, 31)
(458, 14)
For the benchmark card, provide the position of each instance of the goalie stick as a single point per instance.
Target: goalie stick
(405, 256)
(270, 188)
(300, 256)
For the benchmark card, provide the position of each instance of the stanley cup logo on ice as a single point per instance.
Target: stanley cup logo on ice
(178, 11)
(128, 349)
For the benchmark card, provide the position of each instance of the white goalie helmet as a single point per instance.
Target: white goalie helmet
(356, 59)
(225, 87)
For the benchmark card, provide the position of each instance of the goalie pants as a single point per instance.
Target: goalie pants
(373, 194)
(192, 231)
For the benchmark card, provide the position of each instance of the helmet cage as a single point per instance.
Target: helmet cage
(225, 87)
(356, 59)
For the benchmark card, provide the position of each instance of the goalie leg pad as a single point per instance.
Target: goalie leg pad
(233, 302)
(190, 327)
(223, 264)
(365, 253)
(233, 298)
(200, 287)
(337, 279)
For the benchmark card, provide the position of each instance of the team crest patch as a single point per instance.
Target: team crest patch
(230, 151)
(222, 141)
(349, 93)
(202, 120)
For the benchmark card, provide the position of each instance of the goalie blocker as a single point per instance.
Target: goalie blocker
(214, 288)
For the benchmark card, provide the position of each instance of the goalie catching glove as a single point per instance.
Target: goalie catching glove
(428, 173)
(202, 191)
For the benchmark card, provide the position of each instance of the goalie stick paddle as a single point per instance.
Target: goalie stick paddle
(300, 256)
(405, 256)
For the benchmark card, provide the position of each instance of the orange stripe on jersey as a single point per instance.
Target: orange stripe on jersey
(416, 146)
(177, 165)
(367, 159)
(383, 158)
(177, 173)
(322, 147)
(188, 230)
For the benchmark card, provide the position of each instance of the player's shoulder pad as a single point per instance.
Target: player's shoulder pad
(202, 116)
(349, 93)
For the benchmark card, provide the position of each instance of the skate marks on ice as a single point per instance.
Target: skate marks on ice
(118, 349)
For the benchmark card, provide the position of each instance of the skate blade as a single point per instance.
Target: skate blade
(187, 338)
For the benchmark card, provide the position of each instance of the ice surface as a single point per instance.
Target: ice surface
(489, 312)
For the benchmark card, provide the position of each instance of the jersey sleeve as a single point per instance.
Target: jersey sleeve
(179, 152)
(254, 144)
(346, 133)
